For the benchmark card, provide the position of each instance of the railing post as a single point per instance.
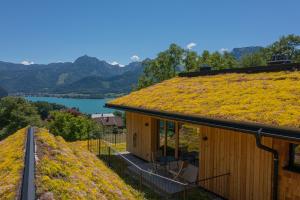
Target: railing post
(88, 142)
(115, 139)
(141, 181)
(99, 147)
(185, 193)
(108, 155)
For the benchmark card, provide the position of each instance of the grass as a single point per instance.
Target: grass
(118, 165)
(11, 164)
(270, 98)
(69, 171)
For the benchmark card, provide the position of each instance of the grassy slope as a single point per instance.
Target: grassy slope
(11, 164)
(69, 171)
(270, 98)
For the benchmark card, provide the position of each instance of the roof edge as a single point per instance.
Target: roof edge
(281, 132)
(248, 70)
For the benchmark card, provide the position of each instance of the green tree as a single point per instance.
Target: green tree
(72, 127)
(44, 108)
(205, 58)
(253, 60)
(16, 113)
(229, 60)
(216, 61)
(191, 61)
(161, 68)
(175, 54)
(286, 45)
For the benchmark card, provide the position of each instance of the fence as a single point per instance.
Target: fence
(111, 147)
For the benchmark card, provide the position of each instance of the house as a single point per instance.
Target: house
(245, 124)
(108, 119)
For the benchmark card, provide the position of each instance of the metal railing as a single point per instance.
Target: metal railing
(223, 182)
(110, 147)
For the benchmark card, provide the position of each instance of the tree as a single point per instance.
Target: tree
(229, 60)
(72, 127)
(205, 58)
(44, 108)
(216, 61)
(286, 45)
(253, 60)
(191, 61)
(16, 113)
(175, 54)
(161, 68)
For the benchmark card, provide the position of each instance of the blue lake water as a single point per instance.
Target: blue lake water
(87, 106)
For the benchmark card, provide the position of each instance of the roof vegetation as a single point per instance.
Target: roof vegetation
(11, 164)
(271, 98)
(69, 171)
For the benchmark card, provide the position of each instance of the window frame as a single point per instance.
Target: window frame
(292, 166)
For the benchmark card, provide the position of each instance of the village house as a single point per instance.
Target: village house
(240, 126)
(108, 120)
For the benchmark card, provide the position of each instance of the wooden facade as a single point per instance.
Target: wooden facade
(221, 152)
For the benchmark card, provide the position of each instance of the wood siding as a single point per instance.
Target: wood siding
(289, 182)
(143, 126)
(226, 151)
(236, 153)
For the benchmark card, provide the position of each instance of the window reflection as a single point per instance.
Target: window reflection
(189, 144)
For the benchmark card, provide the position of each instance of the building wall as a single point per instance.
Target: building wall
(140, 128)
(232, 152)
(289, 182)
(226, 151)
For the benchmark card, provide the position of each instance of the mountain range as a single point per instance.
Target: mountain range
(86, 76)
(238, 53)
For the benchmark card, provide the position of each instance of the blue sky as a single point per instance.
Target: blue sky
(44, 31)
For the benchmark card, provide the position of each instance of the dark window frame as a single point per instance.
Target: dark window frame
(292, 166)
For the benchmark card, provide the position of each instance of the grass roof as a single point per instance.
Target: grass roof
(11, 164)
(69, 171)
(270, 98)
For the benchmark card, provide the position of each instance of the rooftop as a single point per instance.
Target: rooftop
(98, 115)
(271, 98)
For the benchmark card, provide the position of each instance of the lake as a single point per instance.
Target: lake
(88, 106)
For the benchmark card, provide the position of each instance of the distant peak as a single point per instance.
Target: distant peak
(86, 59)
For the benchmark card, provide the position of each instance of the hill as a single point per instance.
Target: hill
(68, 171)
(63, 77)
(11, 164)
(3, 92)
(238, 53)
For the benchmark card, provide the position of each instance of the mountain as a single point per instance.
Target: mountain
(86, 74)
(238, 53)
(3, 92)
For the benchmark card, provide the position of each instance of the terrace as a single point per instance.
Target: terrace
(164, 176)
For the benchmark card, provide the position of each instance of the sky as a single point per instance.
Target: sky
(121, 31)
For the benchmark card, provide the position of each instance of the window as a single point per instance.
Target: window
(294, 162)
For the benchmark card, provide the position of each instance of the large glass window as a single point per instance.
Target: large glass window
(295, 156)
(189, 144)
(161, 132)
(171, 139)
(167, 137)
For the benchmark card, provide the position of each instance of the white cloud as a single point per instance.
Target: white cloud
(135, 58)
(222, 50)
(116, 63)
(191, 45)
(26, 62)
